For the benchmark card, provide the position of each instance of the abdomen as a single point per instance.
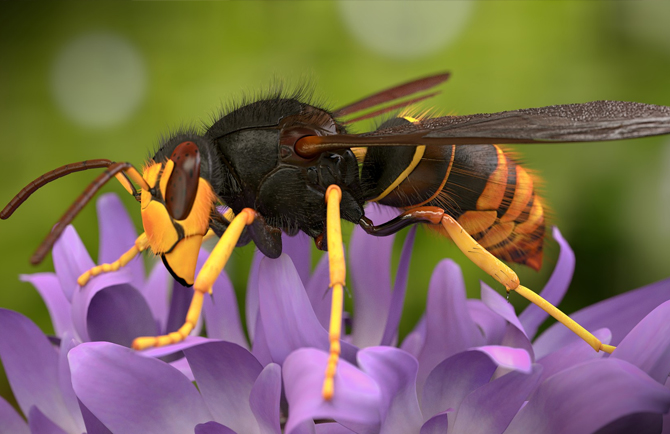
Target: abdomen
(490, 195)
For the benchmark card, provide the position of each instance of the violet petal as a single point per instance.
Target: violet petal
(119, 314)
(221, 314)
(190, 341)
(554, 291)
(456, 377)
(490, 408)
(619, 314)
(117, 236)
(40, 424)
(332, 428)
(318, 291)
(181, 297)
(588, 396)
(647, 346)
(449, 328)
(515, 359)
(93, 424)
(252, 304)
(666, 416)
(180, 300)
(453, 379)
(306, 427)
(265, 399)
(514, 338)
(212, 428)
(399, 289)
(31, 365)
(141, 394)
(514, 335)
(260, 348)
(638, 423)
(490, 323)
(572, 354)
(413, 342)
(10, 420)
(65, 381)
(182, 366)
(288, 319)
(371, 279)
(70, 260)
(155, 292)
(82, 297)
(298, 249)
(499, 305)
(225, 374)
(48, 285)
(438, 424)
(357, 398)
(395, 372)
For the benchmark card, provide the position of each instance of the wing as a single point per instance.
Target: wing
(589, 122)
(392, 94)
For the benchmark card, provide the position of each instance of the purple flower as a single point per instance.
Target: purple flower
(469, 365)
(122, 305)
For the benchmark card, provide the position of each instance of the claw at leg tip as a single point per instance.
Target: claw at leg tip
(607, 348)
(143, 343)
(82, 280)
(327, 389)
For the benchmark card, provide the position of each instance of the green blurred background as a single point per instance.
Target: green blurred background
(105, 80)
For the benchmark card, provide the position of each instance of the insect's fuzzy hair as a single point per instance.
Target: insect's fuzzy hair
(169, 134)
(209, 169)
(414, 111)
(302, 90)
(420, 113)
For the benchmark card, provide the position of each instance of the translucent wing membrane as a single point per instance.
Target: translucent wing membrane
(588, 122)
(393, 94)
(387, 109)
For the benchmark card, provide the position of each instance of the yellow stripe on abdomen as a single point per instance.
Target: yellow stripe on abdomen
(522, 194)
(493, 193)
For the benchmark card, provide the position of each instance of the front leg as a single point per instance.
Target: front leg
(141, 244)
(203, 282)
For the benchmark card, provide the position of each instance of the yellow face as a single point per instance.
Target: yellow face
(177, 241)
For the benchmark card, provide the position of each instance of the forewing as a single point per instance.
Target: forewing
(587, 122)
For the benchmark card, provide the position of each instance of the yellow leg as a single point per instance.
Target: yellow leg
(337, 279)
(203, 283)
(503, 274)
(141, 244)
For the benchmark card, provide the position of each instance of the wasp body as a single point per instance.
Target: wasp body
(251, 162)
(284, 165)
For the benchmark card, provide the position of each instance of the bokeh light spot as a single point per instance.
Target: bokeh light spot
(646, 23)
(98, 79)
(405, 29)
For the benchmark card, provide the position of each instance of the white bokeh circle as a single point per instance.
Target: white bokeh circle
(405, 29)
(98, 79)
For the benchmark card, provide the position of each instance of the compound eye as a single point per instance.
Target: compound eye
(182, 186)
